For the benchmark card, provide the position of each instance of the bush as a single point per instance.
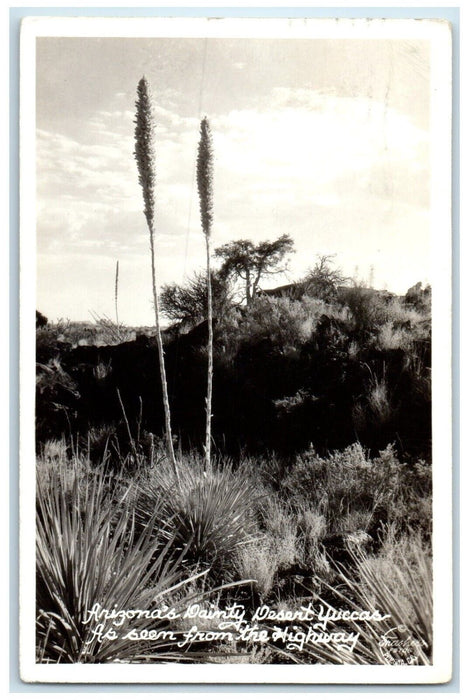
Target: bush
(323, 281)
(419, 297)
(368, 310)
(41, 320)
(353, 491)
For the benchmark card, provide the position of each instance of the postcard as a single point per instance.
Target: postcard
(235, 351)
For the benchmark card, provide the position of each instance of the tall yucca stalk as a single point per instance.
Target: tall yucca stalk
(145, 155)
(116, 291)
(205, 186)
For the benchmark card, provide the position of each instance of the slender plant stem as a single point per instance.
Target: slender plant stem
(116, 291)
(208, 408)
(159, 342)
(129, 433)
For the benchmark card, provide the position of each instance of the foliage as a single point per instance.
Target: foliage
(323, 281)
(250, 262)
(187, 303)
(419, 297)
(136, 541)
(41, 320)
(349, 481)
(367, 309)
(56, 396)
(284, 324)
(109, 332)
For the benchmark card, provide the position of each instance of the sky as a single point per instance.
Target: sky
(324, 139)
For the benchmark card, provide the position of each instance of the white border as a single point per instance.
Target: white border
(438, 33)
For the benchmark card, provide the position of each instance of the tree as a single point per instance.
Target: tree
(323, 281)
(188, 304)
(249, 262)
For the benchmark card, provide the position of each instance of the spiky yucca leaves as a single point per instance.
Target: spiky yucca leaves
(145, 155)
(399, 586)
(211, 512)
(89, 552)
(205, 186)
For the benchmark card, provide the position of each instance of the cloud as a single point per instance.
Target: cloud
(337, 173)
(318, 137)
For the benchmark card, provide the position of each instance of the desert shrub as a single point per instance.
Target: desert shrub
(392, 337)
(380, 404)
(74, 333)
(113, 448)
(187, 304)
(287, 549)
(419, 297)
(48, 346)
(367, 309)
(293, 535)
(404, 325)
(284, 323)
(258, 562)
(56, 393)
(353, 490)
(404, 314)
(41, 320)
(417, 368)
(109, 332)
(280, 531)
(311, 528)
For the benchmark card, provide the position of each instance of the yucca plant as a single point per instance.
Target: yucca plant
(90, 553)
(401, 589)
(212, 513)
(145, 155)
(205, 186)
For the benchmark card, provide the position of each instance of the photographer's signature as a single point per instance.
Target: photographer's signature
(399, 647)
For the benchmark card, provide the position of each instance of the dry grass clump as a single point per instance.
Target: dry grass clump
(379, 400)
(290, 544)
(259, 561)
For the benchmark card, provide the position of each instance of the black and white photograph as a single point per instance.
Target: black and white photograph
(235, 350)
